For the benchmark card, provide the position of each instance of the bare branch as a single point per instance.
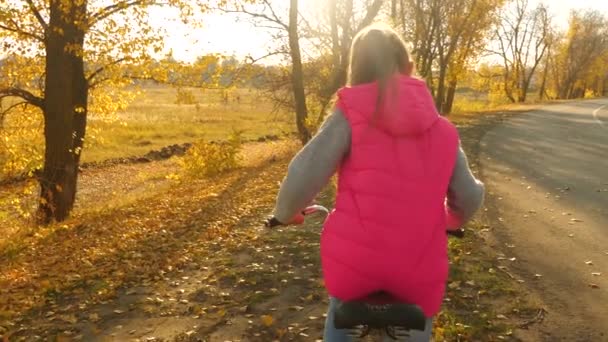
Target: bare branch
(23, 94)
(252, 60)
(372, 12)
(36, 13)
(274, 15)
(273, 18)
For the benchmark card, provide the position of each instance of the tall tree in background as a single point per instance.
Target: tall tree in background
(271, 16)
(79, 43)
(522, 37)
(326, 40)
(297, 75)
(346, 18)
(581, 54)
(446, 35)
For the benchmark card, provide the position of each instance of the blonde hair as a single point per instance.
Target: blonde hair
(377, 53)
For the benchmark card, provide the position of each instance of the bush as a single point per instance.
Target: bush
(205, 158)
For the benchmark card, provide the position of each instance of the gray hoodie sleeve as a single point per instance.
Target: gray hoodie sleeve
(465, 193)
(311, 169)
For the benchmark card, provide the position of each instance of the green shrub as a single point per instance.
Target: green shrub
(210, 159)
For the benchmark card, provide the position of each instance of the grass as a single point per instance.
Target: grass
(154, 120)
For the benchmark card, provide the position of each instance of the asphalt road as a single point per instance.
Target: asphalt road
(547, 178)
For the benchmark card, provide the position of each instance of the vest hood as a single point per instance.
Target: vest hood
(407, 108)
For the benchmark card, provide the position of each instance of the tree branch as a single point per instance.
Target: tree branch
(5, 111)
(23, 94)
(102, 68)
(274, 19)
(372, 12)
(274, 15)
(36, 13)
(117, 7)
(17, 30)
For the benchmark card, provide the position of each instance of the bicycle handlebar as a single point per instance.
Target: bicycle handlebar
(273, 222)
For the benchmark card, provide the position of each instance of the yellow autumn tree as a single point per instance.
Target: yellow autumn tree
(446, 35)
(579, 55)
(61, 58)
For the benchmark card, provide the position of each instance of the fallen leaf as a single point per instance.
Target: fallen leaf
(281, 332)
(69, 318)
(501, 316)
(118, 312)
(454, 285)
(267, 320)
(94, 317)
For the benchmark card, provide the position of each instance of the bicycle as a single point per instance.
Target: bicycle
(375, 311)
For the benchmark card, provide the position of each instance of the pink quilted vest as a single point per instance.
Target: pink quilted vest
(388, 229)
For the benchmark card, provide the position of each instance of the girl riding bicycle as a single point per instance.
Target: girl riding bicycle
(402, 180)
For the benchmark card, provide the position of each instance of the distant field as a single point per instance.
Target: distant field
(154, 120)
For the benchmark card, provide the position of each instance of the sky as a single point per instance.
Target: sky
(230, 34)
(225, 33)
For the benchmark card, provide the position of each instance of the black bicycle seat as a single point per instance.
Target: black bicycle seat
(379, 316)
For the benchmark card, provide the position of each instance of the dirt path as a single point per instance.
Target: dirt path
(547, 173)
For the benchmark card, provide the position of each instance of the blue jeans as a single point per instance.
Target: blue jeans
(332, 334)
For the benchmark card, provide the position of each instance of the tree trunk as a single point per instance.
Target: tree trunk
(297, 74)
(64, 112)
(335, 39)
(440, 95)
(509, 92)
(543, 83)
(522, 93)
(449, 101)
(81, 96)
